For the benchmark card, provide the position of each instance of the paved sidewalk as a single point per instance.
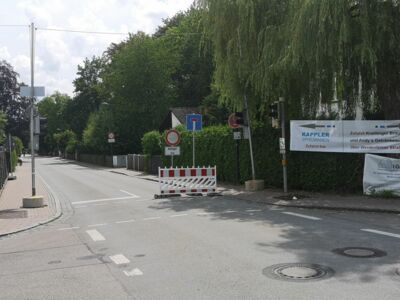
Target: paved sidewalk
(305, 199)
(14, 218)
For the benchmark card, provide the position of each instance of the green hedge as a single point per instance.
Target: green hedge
(306, 170)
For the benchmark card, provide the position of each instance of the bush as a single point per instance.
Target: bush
(306, 170)
(151, 143)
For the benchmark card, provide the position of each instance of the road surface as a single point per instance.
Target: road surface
(115, 241)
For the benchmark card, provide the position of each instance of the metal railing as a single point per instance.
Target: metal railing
(3, 169)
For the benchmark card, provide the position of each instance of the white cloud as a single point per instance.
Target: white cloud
(59, 53)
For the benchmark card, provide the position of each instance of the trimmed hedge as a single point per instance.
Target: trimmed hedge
(306, 170)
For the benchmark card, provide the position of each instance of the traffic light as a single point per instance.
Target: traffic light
(43, 126)
(274, 110)
(274, 114)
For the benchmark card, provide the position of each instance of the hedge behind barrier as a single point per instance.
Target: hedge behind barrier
(306, 170)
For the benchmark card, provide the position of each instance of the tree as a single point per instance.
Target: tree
(311, 52)
(11, 103)
(87, 99)
(53, 108)
(137, 83)
(3, 122)
(183, 38)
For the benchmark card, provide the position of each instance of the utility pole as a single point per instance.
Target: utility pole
(32, 108)
(283, 151)
(246, 108)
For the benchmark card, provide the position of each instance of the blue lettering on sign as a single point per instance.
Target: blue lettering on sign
(315, 134)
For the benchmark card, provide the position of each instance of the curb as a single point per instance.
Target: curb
(57, 215)
(336, 208)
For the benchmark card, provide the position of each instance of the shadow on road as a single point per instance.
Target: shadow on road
(310, 241)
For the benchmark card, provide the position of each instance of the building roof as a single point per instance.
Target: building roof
(180, 113)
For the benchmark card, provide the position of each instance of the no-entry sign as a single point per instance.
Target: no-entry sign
(172, 138)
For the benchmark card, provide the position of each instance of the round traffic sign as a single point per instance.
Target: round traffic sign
(232, 121)
(173, 137)
(111, 135)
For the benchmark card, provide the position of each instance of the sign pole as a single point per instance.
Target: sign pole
(238, 161)
(32, 108)
(284, 161)
(194, 125)
(172, 160)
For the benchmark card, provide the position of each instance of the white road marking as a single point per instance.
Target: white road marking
(100, 204)
(134, 272)
(204, 214)
(102, 200)
(130, 194)
(125, 221)
(301, 215)
(151, 218)
(229, 212)
(382, 233)
(97, 225)
(181, 215)
(119, 259)
(95, 235)
(69, 228)
(253, 210)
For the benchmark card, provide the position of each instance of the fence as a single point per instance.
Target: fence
(144, 163)
(3, 169)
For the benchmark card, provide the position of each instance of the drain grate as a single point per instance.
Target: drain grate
(298, 272)
(359, 252)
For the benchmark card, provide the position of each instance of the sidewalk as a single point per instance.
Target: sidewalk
(305, 199)
(14, 218)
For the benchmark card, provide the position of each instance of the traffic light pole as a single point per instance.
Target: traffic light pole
(283, 151)
(246, 108)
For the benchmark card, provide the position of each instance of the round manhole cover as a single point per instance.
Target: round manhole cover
(359, 252)
(298, 271)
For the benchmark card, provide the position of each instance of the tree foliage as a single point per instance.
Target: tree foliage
(11, 103)
(313, 52)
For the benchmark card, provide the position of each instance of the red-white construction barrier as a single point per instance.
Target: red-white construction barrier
(187, 180)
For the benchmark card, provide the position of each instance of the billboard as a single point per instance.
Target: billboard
(345, 136)
(381, 174)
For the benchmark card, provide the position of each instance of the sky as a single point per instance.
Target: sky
(59, 53)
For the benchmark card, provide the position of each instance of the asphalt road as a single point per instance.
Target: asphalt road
(115, 241)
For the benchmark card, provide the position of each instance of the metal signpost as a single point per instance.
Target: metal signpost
(172, 139)
(194, 122)
(282, 143)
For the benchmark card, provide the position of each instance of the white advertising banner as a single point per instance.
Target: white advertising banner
(345, 136)
(381, 174)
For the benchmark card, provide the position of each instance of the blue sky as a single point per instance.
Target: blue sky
(59, 53)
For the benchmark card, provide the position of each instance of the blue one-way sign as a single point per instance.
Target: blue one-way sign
(194, 122)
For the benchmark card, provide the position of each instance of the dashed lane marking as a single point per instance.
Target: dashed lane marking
(301, 216)
(175, 216)
(134, 272)
(125, 221)
(253, 210)
(95, 235)
(151, 218)
(97, 225)
(204, 214)
(69, 228)
(382, 233)
(119, 259)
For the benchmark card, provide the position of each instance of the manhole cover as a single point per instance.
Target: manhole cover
(298, 272)
(359, 252)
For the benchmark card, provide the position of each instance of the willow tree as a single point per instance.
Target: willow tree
(310, 51)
